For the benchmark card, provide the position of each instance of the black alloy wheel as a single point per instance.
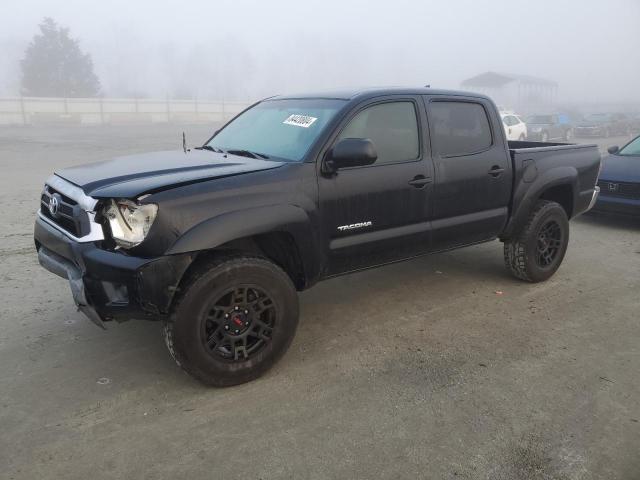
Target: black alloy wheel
(537, 250)
(234, 317)
(239, 323)
(549, 244)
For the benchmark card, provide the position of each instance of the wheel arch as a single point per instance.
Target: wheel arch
(556, 184)
(562, 194)
(282, 234)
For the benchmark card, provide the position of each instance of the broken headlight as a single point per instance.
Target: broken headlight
(129, 222)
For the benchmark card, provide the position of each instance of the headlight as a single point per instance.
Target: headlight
(129, 222)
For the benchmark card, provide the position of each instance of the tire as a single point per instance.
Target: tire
(524, 254)
(221, 345)
(544, 137)
(568, 134)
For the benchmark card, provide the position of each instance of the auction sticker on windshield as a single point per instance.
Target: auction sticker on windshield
(303, 121)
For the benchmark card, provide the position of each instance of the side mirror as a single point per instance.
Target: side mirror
(351, 152)
(613, 150)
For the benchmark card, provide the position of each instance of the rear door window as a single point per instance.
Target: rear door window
(459, 128)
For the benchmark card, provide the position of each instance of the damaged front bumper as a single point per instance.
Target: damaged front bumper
(109, 285)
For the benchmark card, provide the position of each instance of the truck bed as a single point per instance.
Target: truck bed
(571, 164)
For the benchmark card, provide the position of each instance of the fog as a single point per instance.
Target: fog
(244, 50)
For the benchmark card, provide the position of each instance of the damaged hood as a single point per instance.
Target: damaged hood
(134, 175)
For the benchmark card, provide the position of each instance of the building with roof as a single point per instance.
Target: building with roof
(522, 93)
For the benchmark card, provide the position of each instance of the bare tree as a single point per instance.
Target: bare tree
(55, 66)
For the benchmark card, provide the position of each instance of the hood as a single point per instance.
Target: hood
(620, 168)
(134, 175)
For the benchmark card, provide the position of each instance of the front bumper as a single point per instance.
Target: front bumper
(617, 206)
(589, 132)
(531, 135)
(110, 285)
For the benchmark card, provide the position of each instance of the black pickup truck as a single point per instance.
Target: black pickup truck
(215, 241)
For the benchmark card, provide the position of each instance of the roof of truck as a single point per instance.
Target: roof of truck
(362, 93)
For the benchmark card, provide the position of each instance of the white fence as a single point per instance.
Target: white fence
(113, 111)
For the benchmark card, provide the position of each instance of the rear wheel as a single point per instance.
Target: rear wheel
(235, 319)
(537, 251)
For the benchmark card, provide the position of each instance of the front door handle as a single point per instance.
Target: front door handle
(419, 181)
(496, 171)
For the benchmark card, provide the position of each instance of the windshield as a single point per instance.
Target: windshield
(632, 148)
(285, 129)
(541, 119)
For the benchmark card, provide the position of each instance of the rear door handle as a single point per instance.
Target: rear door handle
(496, 171)
(419, 181)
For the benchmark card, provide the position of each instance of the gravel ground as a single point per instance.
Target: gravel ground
(415, 370)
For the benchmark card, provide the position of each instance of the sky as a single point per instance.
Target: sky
(245, 50)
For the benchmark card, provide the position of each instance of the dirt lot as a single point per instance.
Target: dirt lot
(416, 370)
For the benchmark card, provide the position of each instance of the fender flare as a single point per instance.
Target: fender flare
(528, 193)
(237, 224)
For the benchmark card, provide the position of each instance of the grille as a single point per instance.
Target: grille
(619, 189)
(69, 216)
(66, 206)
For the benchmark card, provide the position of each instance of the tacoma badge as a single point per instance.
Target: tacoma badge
(353, 226)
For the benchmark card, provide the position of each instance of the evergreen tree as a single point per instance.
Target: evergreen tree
(54, 65)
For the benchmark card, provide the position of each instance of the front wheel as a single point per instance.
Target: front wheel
(234, 319)
(537, 251)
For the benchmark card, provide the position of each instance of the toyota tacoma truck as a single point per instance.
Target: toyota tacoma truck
(216, 241)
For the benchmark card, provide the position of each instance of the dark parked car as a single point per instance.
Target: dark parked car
(215, 242)
(549, 127)
(620, 180)
(603, 125)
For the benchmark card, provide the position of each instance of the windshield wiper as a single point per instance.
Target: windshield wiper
(248, 153)
(210, 148)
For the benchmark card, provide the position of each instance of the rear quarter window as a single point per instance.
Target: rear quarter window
(459, 128)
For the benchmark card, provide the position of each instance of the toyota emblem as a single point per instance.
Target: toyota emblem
(54, 204)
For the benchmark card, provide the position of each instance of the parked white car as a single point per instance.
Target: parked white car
(514, 126)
